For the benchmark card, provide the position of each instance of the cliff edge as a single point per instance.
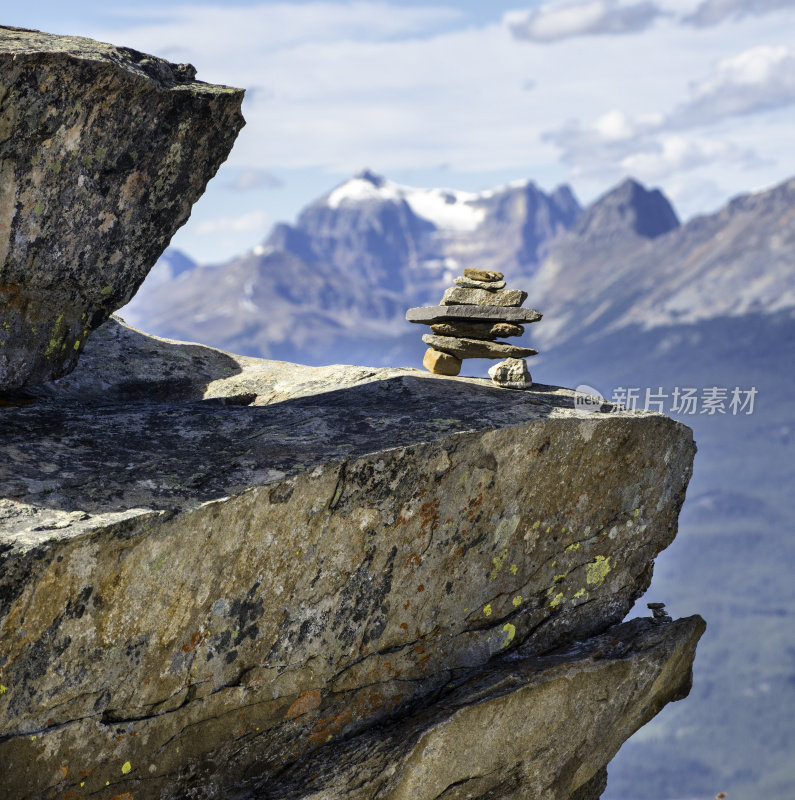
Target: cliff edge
(223, 577)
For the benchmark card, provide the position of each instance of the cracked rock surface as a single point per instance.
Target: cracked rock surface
(103, 151)
(219, 571)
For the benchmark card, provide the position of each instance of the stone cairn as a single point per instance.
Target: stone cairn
(471, 316)
(659, 614)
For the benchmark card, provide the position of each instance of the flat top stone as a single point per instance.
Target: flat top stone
(426, 315)
(482, 274)
(146, 424)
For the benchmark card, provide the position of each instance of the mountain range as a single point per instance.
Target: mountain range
(633, 300)
(335, 285)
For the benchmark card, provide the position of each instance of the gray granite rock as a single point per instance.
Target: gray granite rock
(476, 348)
(468, 283)
(456, 295)
(199, 594)
(430, 315)
(488, 738)
(511, 374)
(103, 151)
(477, 330)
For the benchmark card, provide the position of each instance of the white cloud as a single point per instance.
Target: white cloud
(682, 154)
(759, 79)
(600, 148)
(712, 12)
(556, 21)
(251, 222)
(253, 178)
(175, 31)
(655, 145)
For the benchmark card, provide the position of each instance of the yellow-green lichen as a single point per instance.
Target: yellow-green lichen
(498, 562)
(442, 423)
(571, 547)
(106, 290)
(596, 571)
(514, 569)
(510, 630)
(3, 689)
(487, 609)
(55, 341)
(157, 564)
(556, 600)
(517, 601)
(126, 767)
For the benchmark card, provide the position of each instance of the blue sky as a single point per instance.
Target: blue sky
(694, 96)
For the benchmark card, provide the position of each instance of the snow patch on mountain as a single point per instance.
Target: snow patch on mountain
(447, 209)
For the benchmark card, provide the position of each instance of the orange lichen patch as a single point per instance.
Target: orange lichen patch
(412, 559)
(421, 588)
(10, 288)
(195, 640)
(429, 515)
(366, 705)
(406, 604)
(307, 701)
(404, 625)
(65, 770)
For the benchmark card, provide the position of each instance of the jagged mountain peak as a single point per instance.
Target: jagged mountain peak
(629, 207)
(370, 176)
(446, 209)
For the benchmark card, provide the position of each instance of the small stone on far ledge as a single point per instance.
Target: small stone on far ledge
(441, 363)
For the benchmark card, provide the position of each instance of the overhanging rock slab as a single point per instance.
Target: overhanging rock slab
(203, 551)
(103, 151)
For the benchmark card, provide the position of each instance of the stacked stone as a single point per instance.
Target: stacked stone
(472, 315)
